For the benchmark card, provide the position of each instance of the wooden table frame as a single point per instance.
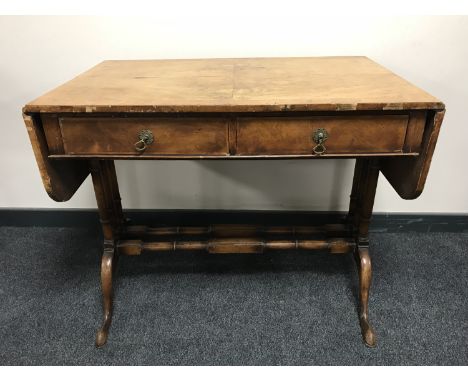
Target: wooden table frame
(115, 229)
(400, 125)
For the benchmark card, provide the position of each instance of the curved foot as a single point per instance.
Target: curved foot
(101, 337)
(107, 267)
(368, 334)
(365, 276)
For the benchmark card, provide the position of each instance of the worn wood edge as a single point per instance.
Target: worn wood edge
(233, 115)
(236, 157)
(39, 153)
(60, 180)
(408, 175)
(29, 108)
(429, 150)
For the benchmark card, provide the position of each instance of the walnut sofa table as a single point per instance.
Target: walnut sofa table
(268, 108)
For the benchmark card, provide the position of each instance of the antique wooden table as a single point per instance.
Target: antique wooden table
(268, 108)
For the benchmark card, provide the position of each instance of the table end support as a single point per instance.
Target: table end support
(365, 181)
(363, 262)
(112, 221)
(108, 266)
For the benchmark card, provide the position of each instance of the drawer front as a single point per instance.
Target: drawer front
(118, 136)
(346, 135)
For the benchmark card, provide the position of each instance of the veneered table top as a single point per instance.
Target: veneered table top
(235, 85)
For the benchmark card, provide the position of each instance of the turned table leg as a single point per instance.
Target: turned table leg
(361, 205)
(355, 192)
(111, 217)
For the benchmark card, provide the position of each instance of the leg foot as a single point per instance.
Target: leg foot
(365, 275)
(368, 334)
(107, 268)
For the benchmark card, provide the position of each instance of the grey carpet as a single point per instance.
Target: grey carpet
(197, 309)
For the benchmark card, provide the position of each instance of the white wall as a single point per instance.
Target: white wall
(38, 53)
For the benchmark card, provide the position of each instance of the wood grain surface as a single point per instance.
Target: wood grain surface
(189, 136)
(61, 179)
(353, 134)
(408, 176)
(236, 85)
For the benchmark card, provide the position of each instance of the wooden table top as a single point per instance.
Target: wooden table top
(235, 85)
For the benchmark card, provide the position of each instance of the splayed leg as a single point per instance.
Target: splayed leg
(108, 264)
(365, 276)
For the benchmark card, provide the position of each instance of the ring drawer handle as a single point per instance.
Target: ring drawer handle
(320, 136)
(145, 139)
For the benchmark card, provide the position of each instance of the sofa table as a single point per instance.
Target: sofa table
(232, 109)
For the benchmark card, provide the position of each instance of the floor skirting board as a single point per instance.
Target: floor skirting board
(381, 222)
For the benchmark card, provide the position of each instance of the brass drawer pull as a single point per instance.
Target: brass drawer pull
(320, 136)
(145, 139)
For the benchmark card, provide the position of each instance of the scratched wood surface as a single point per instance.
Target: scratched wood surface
(236, 85)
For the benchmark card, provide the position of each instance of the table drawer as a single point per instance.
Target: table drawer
(118, 136)
(345, 135)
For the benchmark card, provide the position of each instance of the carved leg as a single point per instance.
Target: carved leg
(107, 271)
(111, 217)
(365, 276)
(364, 202)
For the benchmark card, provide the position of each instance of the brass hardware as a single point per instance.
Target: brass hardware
(145, 138)
(320, 136)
